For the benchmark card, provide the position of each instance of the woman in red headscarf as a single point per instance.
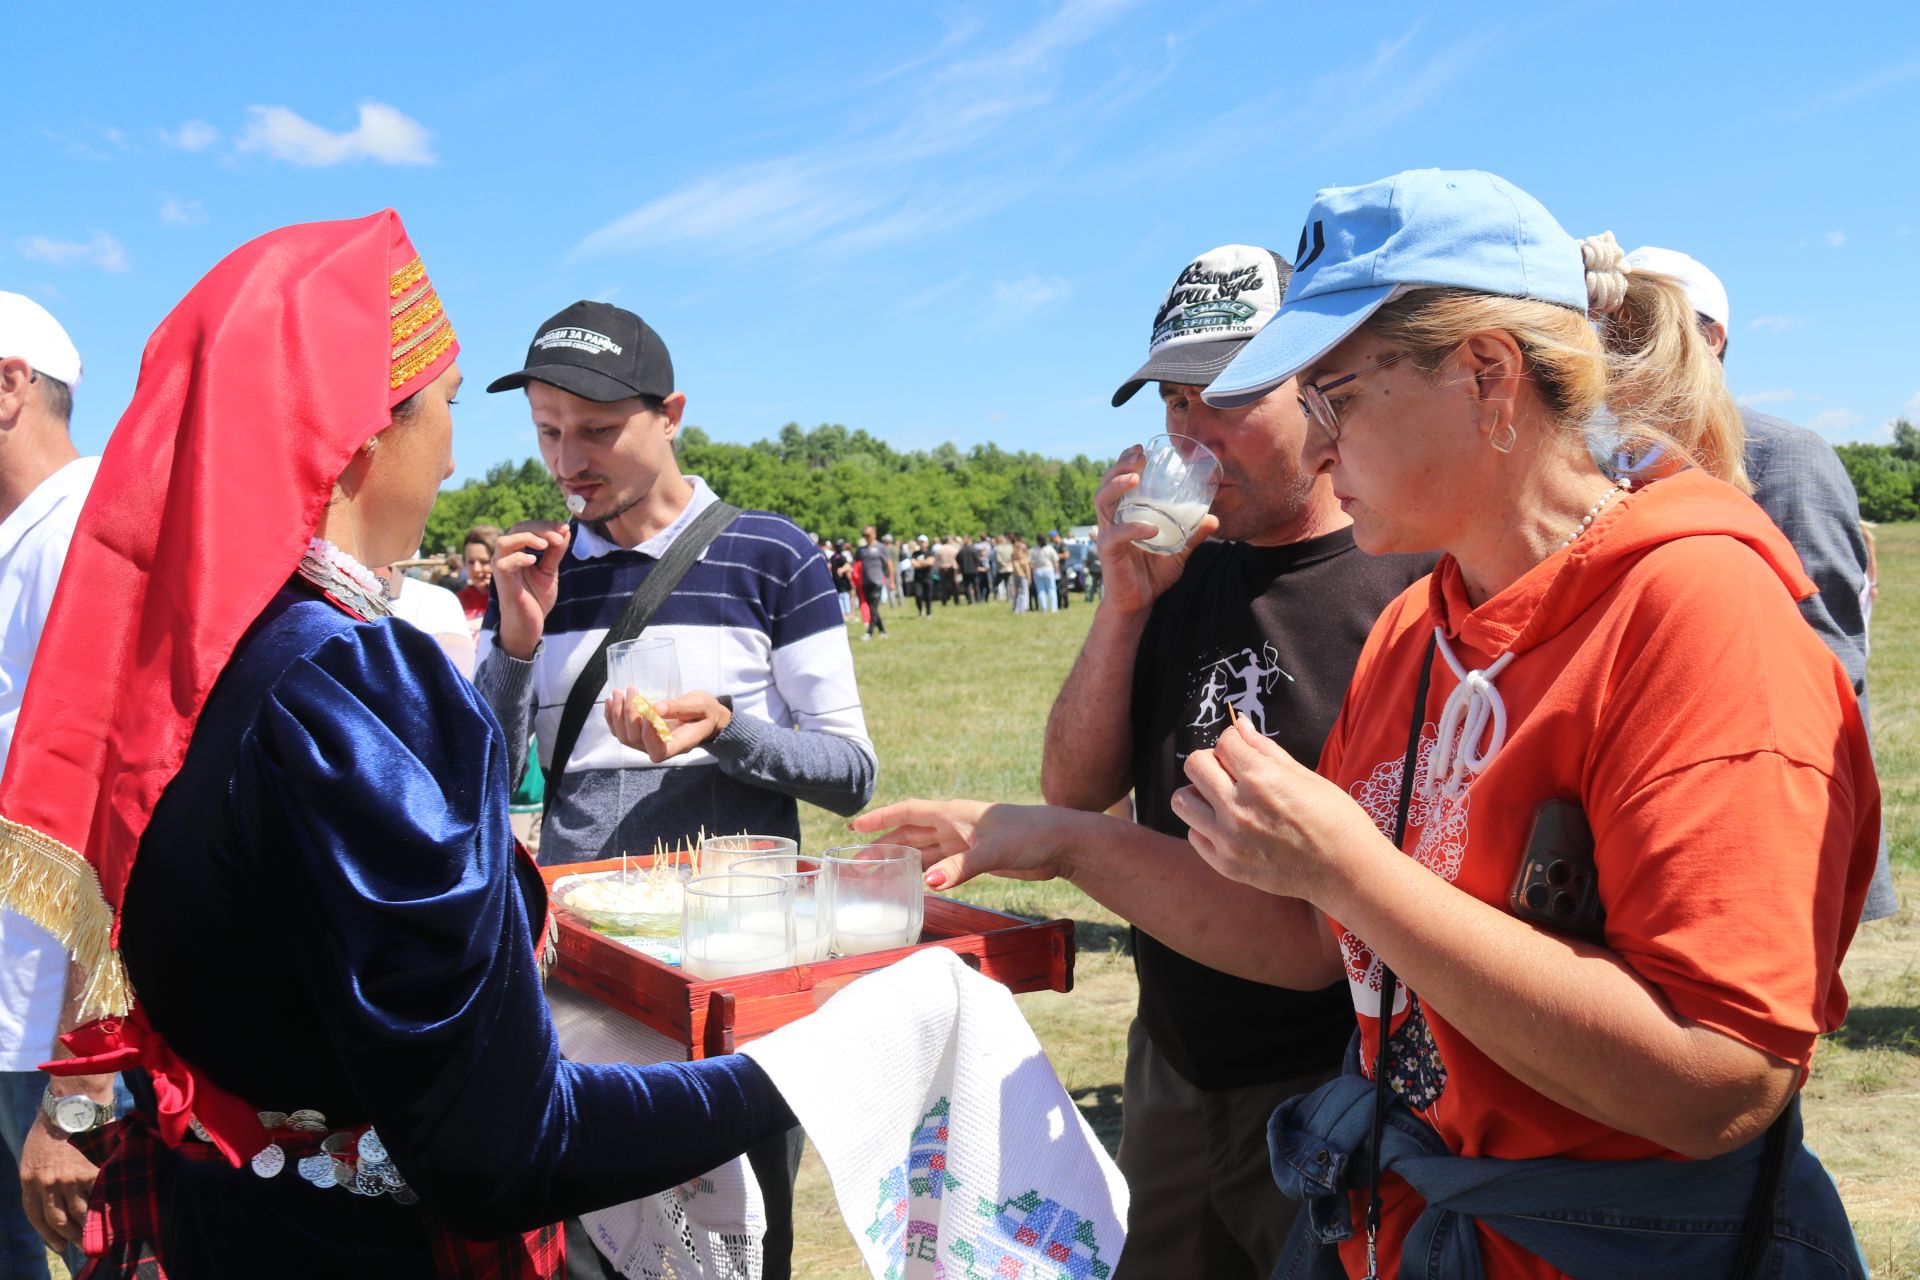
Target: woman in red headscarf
(315, 961)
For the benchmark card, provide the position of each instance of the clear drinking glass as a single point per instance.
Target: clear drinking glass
(878, 897)
(812, 902)
(720, 854)
(732, 925)
(1176, 489)
(648, 664)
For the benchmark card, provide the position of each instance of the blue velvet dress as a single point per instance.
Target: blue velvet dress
(327, 913)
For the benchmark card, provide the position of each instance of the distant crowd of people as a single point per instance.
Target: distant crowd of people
(881, 570)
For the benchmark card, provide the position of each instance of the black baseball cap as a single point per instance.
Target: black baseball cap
(598, 352)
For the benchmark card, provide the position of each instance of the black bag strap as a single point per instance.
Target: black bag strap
(647, 599)
(1389, 984)
(1766, 1195)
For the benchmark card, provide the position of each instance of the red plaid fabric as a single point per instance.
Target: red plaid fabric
(122, 1233)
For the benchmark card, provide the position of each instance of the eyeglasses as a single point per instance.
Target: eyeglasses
(1319, 410)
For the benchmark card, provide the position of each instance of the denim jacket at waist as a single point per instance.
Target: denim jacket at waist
(1593, 1219)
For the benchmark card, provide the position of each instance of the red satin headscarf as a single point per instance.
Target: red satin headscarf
(253, 396)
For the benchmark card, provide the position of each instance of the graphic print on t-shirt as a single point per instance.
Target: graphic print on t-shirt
(1241, 681)
(1418, 1074)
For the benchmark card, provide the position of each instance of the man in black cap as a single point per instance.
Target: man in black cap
(1274, 609)
(770, 713)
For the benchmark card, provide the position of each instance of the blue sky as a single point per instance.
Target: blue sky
(949, 222)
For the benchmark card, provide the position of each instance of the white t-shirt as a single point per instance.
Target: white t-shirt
(33, 549)
(439, 613)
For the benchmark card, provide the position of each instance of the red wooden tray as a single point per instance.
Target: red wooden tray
(716, 1017)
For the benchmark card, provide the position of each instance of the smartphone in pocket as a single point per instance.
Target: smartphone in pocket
(1557, 885)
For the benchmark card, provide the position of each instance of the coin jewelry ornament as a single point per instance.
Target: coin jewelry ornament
(345, 579)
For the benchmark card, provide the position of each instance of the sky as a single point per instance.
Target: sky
(949, 222)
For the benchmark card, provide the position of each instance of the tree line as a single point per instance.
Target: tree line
(830, 481)
(1887, 477)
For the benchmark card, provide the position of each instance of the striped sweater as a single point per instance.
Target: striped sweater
(756, 618)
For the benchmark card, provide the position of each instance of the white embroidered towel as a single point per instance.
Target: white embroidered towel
(712, 1228)
(953, 1148)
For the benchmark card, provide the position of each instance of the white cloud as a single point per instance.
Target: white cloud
(1835, 239)
(1015, 299)
(100, 249)
(1913, 403)
(1778, 396)
(892, 183)
(998, 415)
(194, 135)
(175, 212)
(1881, 80)
(384, 134)
(1829, 422)
(1774, 324)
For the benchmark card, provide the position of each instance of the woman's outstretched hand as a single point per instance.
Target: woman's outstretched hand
(961, 839)
(1262, 818)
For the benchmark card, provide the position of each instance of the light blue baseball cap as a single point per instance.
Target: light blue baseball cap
(1361, 246)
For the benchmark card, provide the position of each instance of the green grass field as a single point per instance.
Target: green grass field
(957, 705)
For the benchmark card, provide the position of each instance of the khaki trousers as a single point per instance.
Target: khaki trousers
(1204, 1206)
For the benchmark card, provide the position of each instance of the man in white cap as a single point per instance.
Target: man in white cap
(43, 482)
(1276, 606)
(1800, 482)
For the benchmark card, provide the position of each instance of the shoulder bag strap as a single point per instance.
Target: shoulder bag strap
(1389, 984)
(646, 601)
(1758, 1231)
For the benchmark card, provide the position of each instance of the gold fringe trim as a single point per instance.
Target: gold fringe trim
(56, 888)
(405, 278)
(430, 345)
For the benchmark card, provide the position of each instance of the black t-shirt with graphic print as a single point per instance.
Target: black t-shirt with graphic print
(1274, 633)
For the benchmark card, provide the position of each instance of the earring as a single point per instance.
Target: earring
(1504, 437)
(371, 446)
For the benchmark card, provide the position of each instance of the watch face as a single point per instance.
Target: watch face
(76, 1114)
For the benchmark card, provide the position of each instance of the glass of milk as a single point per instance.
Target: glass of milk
(648, 665)
(735, 924)
(812, 904)
(722, 854)
(877, 897)
(1176, 489)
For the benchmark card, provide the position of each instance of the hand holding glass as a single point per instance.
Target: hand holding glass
(1176, 488)
(648, 665)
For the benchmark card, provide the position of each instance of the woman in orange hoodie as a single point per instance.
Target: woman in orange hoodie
(1597, 818)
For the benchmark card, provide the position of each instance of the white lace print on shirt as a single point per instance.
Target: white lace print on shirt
(1441, 847)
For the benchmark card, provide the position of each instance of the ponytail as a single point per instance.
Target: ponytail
(1634, 367)
(1665, 387)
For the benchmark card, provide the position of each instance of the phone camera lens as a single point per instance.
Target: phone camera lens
(1563, 905)
(1559, 873)
(1537, 896)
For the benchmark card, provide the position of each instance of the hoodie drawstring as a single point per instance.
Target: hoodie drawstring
(1473, 703)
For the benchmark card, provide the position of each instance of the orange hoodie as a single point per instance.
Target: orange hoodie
(1663, 679)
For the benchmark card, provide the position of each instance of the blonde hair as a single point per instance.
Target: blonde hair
(1636, 357)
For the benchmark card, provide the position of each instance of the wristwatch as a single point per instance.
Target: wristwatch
(75, 1113)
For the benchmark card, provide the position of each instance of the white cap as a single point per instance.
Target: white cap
(1704, 290)
(28, 332)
